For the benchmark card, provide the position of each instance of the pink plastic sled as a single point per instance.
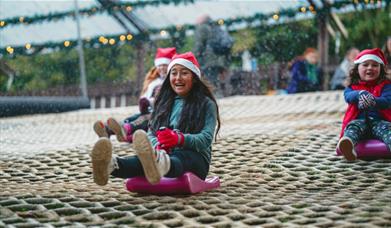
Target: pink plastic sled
(188, 183)
(371, 149)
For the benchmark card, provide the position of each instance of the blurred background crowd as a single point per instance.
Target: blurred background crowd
(102, 49)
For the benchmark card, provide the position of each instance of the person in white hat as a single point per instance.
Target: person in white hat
(184, 122)
(369, 103)
(152, 82)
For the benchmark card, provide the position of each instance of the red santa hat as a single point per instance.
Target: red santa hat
(375, 54)
(187, 60)
(164, 55)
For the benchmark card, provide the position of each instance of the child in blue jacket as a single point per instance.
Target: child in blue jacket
(183, 124)
(369, 103)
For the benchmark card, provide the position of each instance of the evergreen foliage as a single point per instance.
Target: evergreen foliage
(281, 42)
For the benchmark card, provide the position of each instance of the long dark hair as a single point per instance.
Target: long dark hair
(193, 112)
(354, 77)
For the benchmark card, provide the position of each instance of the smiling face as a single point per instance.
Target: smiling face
(181, 80)
(162, 70)
(369, 70)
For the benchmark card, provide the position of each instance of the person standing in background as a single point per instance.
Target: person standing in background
(213, 49)
(387, 53)
(339, 77)
(306, 76)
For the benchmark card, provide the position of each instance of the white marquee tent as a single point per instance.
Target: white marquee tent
(104, 24)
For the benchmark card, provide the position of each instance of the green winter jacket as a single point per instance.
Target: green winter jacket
(200, 142)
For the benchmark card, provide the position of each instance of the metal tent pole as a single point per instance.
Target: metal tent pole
(83, 81)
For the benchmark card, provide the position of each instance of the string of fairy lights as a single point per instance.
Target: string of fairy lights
(121, 39)
(116, 6)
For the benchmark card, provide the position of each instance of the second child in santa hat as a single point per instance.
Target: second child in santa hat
(369, 103)
(184, 122)
(152, 82)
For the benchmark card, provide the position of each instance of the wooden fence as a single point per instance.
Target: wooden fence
(103, 95)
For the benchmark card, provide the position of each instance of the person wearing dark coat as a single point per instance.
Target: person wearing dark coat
(213, 64)
(306, 76)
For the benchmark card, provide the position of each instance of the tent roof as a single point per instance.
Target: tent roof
(104, 24)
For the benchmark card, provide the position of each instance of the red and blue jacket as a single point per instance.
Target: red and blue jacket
(382, 93)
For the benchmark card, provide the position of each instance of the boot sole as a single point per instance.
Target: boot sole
(100, 129)
(117, 129)
(145, 153)
(101, 156)
(346, 148)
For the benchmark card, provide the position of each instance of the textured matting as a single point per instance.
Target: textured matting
(284, 174)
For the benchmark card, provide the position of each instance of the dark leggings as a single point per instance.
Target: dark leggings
(141, 125)
(360, 129)
(132, 118)
(181, 161)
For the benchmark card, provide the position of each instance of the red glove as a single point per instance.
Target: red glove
(168, 138)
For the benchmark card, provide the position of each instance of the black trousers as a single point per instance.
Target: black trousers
(360, 129)
(136, 125)
(181, 161)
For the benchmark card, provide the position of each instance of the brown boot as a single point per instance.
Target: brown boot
(156, 163)
(103, 163)
(100, 129)
(118, 129)
(346, 146)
